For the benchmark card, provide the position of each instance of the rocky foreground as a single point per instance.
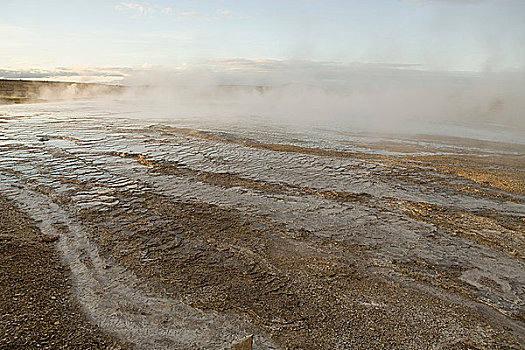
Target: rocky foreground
(37, 305)
(192, 236)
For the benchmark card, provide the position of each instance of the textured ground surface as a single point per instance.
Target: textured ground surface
(192, 235)
(37, 307)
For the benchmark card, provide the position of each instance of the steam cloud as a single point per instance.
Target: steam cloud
(364, 96)
(375, 96)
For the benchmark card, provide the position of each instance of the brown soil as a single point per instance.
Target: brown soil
(37, 308)
(306, 293)
(301, 289)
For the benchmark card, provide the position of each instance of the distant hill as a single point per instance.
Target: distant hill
(25, 91)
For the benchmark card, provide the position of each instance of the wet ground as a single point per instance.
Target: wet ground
(38, 309)
(192, 234)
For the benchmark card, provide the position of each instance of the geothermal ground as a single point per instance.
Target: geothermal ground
(131, 233)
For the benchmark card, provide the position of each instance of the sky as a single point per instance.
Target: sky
(107, 40)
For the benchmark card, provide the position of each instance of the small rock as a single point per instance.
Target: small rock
(49, 238)
(243, 344)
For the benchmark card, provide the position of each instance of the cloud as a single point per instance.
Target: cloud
(220, 14)
(79, 74)
(269, 72)
(137, 9)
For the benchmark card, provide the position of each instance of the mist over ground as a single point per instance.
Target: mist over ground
(376, 97)
(358, 97)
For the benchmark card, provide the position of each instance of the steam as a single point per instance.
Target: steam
(376, 97)
(372, 97)
(71, 91)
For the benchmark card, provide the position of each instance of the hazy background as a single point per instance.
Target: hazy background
(379, 62)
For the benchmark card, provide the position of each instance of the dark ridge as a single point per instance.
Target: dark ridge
(24, 91)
